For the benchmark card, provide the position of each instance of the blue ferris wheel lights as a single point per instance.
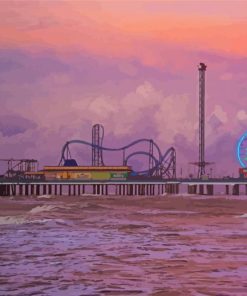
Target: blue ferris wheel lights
(240, 159)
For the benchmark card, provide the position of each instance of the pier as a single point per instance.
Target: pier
(122, 188)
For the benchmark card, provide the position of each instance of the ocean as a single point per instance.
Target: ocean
(118, 245)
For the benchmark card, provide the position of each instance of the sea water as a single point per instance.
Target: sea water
(115, 245)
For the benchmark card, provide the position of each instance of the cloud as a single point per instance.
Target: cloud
(175, 114)
(7, 64)
(222, 152)
(11, 125)
(226, 76)
(220, 113)
(242, 115)
(103, 107)
(214, 122)
(128, 68)
(25, 67)
(128, 30)
(145, 110)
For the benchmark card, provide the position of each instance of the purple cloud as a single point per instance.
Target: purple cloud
(14, 124)
(24, 67)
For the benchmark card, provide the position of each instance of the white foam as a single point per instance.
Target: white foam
(242, 216)
(45, 196)
(89, 194)
(164, 194)
(48, 208)
(158, 212)
(44, 208)
(18, 220)
(12, 220)
(49, 221)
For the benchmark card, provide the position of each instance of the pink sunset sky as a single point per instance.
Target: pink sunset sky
(129, 65)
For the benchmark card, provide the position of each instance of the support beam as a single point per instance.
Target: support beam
(13, 189)
(131, 189)
(235, 189)
(32, 189)
(192, 189)
(227, 189)
(26, 190)
(162, 189)
(37, 190)
(2, 190)
(44, 189)
(210, 189)
(201, 189)
(144, 189)
(50, 189)
(97, 189)
(20, 189)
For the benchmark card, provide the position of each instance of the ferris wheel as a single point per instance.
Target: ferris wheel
(242, 150)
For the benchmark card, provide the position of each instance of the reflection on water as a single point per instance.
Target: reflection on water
(123, 246)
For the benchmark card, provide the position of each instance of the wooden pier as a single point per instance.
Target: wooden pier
(123, 188)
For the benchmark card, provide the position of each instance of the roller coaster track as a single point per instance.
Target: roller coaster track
(164, 165)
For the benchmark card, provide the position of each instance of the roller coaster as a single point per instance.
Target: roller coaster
(160, 165)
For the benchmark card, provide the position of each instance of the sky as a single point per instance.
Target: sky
(129, 65)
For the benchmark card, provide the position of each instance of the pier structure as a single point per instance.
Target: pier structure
(120, 188)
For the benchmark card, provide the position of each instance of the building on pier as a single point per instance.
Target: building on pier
(86, 173)
(243, 173)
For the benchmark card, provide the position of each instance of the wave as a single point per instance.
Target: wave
(44, 208)
(12, 220)
(164, 212)
(49, 222)
(46, 196)
(19, 220)
(48, 208)
(242, 216)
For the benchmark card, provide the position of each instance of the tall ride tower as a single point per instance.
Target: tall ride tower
(201, 164)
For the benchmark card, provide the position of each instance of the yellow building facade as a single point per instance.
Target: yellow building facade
(86, 173)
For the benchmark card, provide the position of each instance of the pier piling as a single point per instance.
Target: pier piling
(235, 189)
(210, 190)
(227, 189)
(30, 187)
